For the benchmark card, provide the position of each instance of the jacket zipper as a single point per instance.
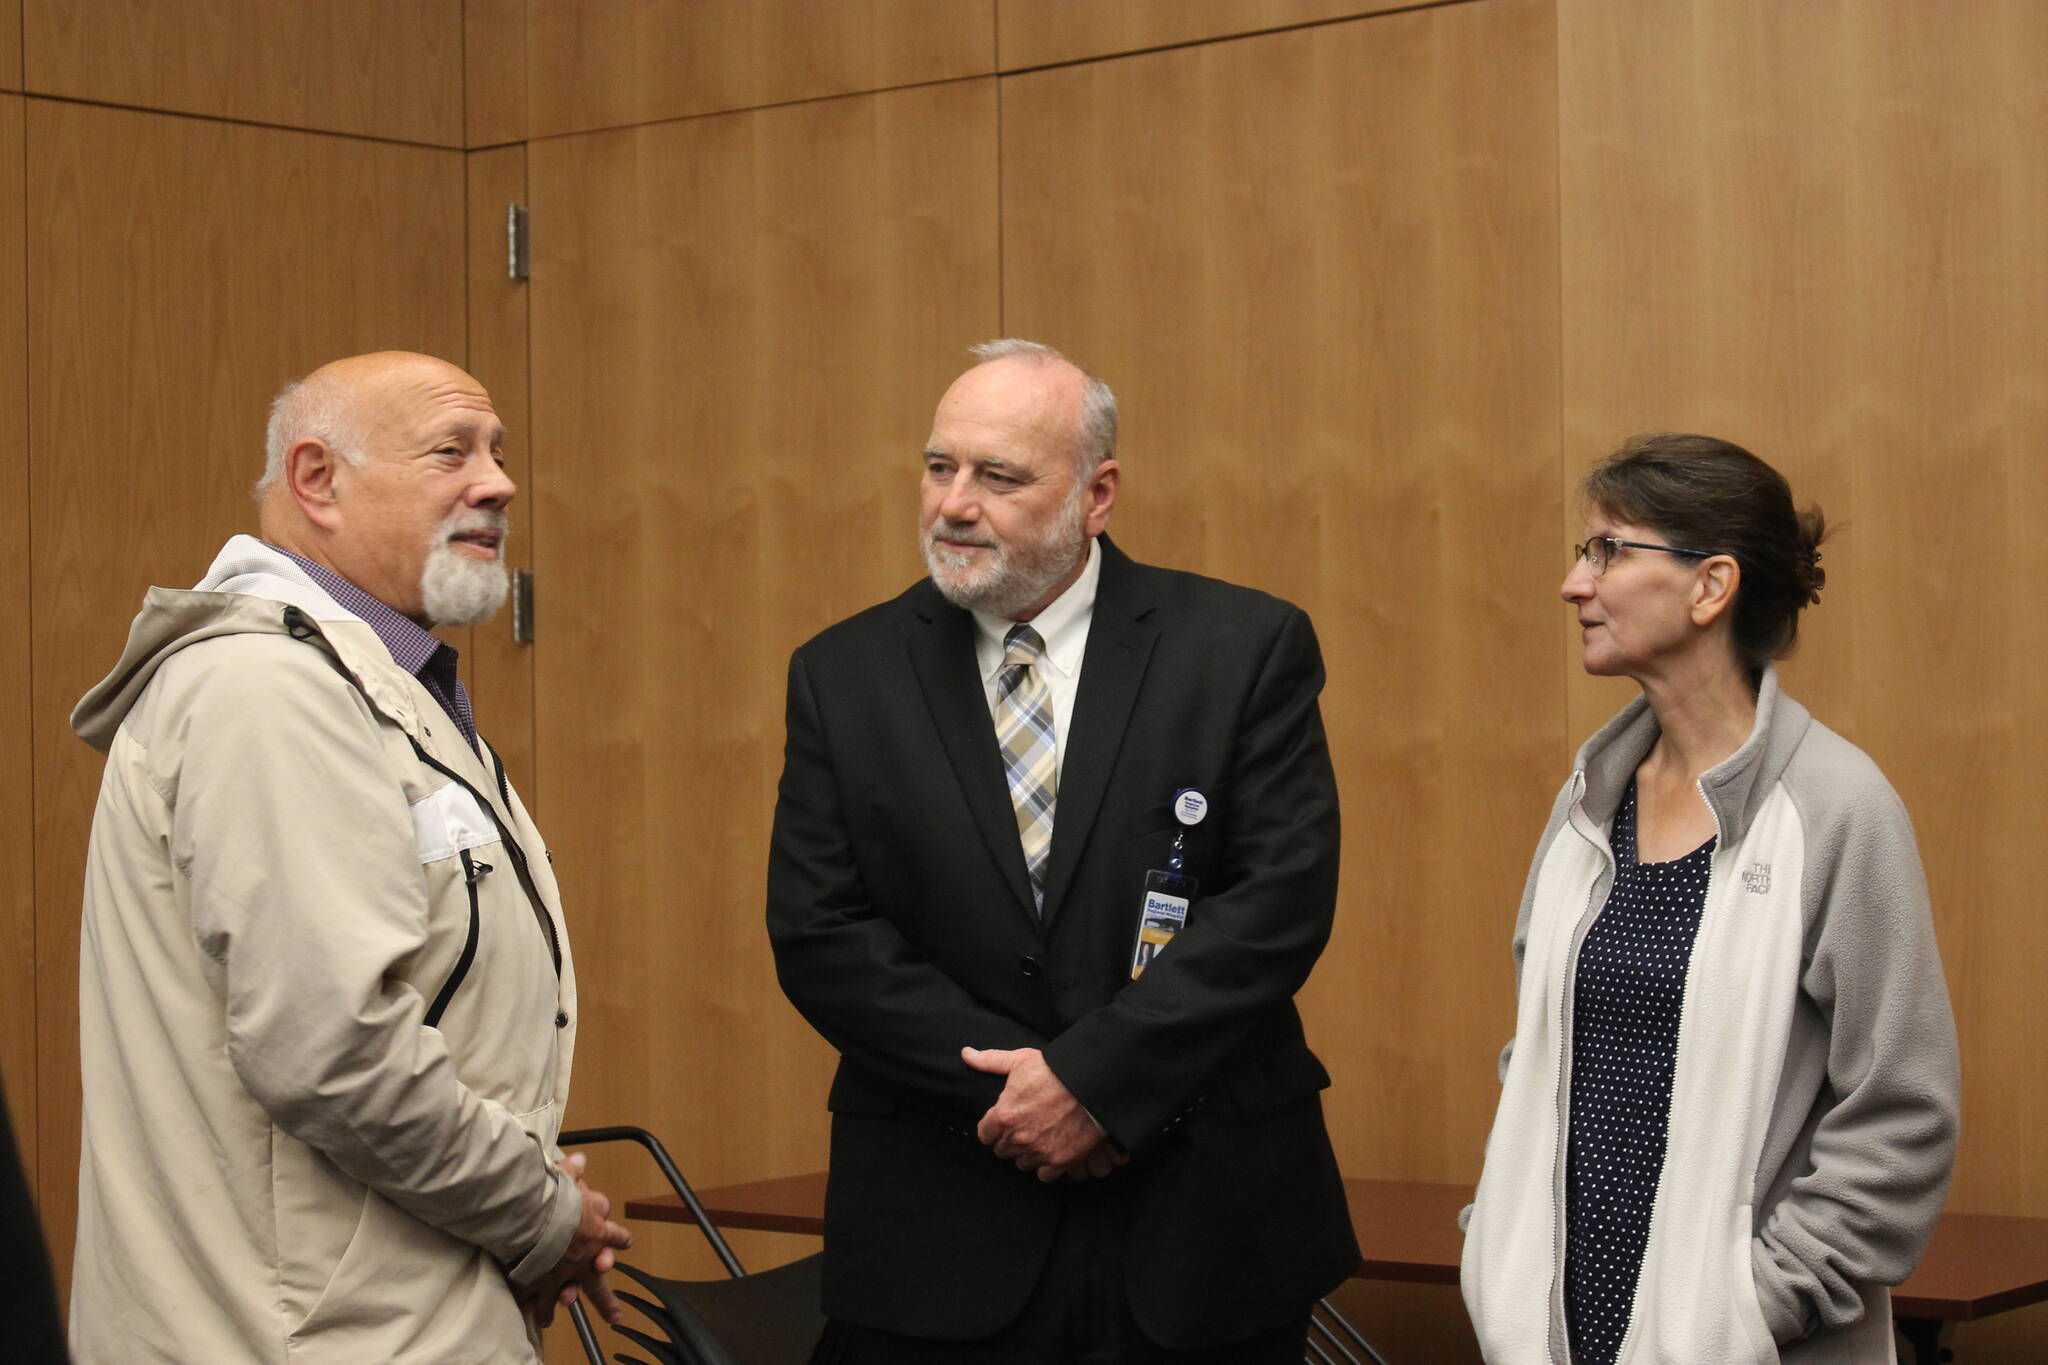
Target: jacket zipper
(1558, 1328)
(525, 874)
(300, 627)
(505, 790)
(1564, 1081)
(472, 872)
(1628, 1337)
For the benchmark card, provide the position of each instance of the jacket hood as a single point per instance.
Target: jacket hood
(246, 591)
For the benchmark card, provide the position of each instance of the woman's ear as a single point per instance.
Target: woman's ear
(1714, 588)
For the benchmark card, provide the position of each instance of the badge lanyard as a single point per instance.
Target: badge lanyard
(1169, 891)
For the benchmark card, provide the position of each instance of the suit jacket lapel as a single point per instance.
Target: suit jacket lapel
(941, 646)
(1120, 639)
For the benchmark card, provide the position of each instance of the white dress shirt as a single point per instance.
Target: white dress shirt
(1064, 627)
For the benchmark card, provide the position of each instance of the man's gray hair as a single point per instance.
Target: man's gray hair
(1098, 404)
(318, 407)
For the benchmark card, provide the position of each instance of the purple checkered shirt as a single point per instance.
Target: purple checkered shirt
(412, 646)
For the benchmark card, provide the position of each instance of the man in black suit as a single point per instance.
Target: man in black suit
(1035, 1157)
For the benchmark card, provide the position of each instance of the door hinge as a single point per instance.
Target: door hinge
(518, 242)
(522, 606)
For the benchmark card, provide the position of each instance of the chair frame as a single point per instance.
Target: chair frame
(1324, 1337)
(585, 1137)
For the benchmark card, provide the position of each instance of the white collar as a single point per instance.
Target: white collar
(1063, 625)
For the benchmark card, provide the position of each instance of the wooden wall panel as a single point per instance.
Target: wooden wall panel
(1041, 32)
(500, 671)
(493, 71)
(179, 272)
(1319, 267)
(10, 44)
(1817, 229)
(740, 327)
(377, 68)
(636, 61)
(17, 797)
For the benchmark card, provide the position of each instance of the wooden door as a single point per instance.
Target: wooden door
(17, 795)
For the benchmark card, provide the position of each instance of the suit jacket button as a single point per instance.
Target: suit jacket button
(1030, 966)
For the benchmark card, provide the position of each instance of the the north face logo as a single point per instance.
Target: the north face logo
(1757, 877)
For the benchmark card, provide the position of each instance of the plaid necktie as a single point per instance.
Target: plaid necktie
(1025, 732)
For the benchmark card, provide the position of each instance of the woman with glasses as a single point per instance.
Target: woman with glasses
(1729, 1111)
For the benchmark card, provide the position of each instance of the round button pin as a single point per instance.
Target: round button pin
(1189, 806)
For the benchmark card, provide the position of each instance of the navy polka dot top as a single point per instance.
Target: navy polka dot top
(1629, 988)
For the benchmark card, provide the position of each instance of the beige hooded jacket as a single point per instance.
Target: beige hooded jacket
(326, 1008)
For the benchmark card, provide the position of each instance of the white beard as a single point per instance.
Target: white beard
(1013, 578)
(458, 589)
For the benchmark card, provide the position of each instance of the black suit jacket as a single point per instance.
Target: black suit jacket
(902, 921)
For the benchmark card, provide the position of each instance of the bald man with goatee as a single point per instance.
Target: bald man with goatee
(326, 1004)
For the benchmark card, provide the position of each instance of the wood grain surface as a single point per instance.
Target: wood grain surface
(1842, 269)
(637, 61)
(1041, 32)
(376, 68)
(17, 792)
(740, 327)
(10, 44)
(500, 671)
(1319, 269)
(494, 72)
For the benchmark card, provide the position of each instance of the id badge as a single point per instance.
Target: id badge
(1169, 891)
(1163, 915)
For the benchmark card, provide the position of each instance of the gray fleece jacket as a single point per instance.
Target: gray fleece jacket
(1815, 1098)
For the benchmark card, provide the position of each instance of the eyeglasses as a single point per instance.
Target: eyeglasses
(1599, 551)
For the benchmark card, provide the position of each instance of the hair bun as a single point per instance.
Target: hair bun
(1813, 529)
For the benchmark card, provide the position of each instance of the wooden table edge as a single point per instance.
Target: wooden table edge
(801, 1194)
(1966, 1310)
(1405, 1272)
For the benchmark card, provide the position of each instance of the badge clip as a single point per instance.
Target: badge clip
(1169, 891)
